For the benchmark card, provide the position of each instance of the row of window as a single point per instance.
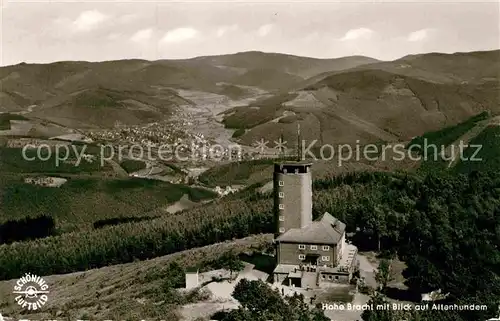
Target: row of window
(282, 194)
(314, 247)
(323, 258)
(296, 171)
(330, 277)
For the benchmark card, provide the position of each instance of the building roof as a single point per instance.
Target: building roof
(285, 268)
(325, 230)
(293, 162)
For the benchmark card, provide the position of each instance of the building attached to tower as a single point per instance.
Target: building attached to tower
(309, 253)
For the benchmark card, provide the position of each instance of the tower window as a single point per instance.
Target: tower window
(281, 183)
(282, 206)
(282, 218)
(302, 257)
(282, 230)
(281, 195)
(314, 247)
(302, 247)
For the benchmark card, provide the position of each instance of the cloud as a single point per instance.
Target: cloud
(359, 33)
(179, 35)
(114, 36)
(225, 29)
(89, 20)
(128, 18)
(419, 35)
(142, 35)
(265, 30)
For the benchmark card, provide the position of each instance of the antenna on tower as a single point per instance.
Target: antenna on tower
(299, 156)
(282, 148)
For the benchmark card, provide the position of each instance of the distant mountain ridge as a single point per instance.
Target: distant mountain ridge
(52, 87)
(335, 100)
(384, 101)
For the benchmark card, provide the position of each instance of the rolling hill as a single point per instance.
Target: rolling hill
(383, 101)
(136, 91)
(303, 67)
(337, 100)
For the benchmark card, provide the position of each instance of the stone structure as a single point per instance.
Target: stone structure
(292, 195)
(308, 253)
(192, 279)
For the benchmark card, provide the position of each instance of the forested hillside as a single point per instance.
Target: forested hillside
(446, 228)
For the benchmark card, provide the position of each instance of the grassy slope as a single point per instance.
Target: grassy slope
(114, 292)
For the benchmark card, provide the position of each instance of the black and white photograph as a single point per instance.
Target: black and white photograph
(249, 160)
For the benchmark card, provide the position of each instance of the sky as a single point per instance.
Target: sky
(44, 31)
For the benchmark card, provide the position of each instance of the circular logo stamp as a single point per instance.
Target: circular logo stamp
(32, 292)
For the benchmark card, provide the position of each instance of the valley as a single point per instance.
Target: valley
(150, 169)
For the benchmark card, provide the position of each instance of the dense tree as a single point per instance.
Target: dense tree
(445, 227)
(384, 274)
(230, 260)
(27, 229)
(259, 302)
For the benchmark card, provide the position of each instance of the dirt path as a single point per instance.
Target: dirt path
(453, 151)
